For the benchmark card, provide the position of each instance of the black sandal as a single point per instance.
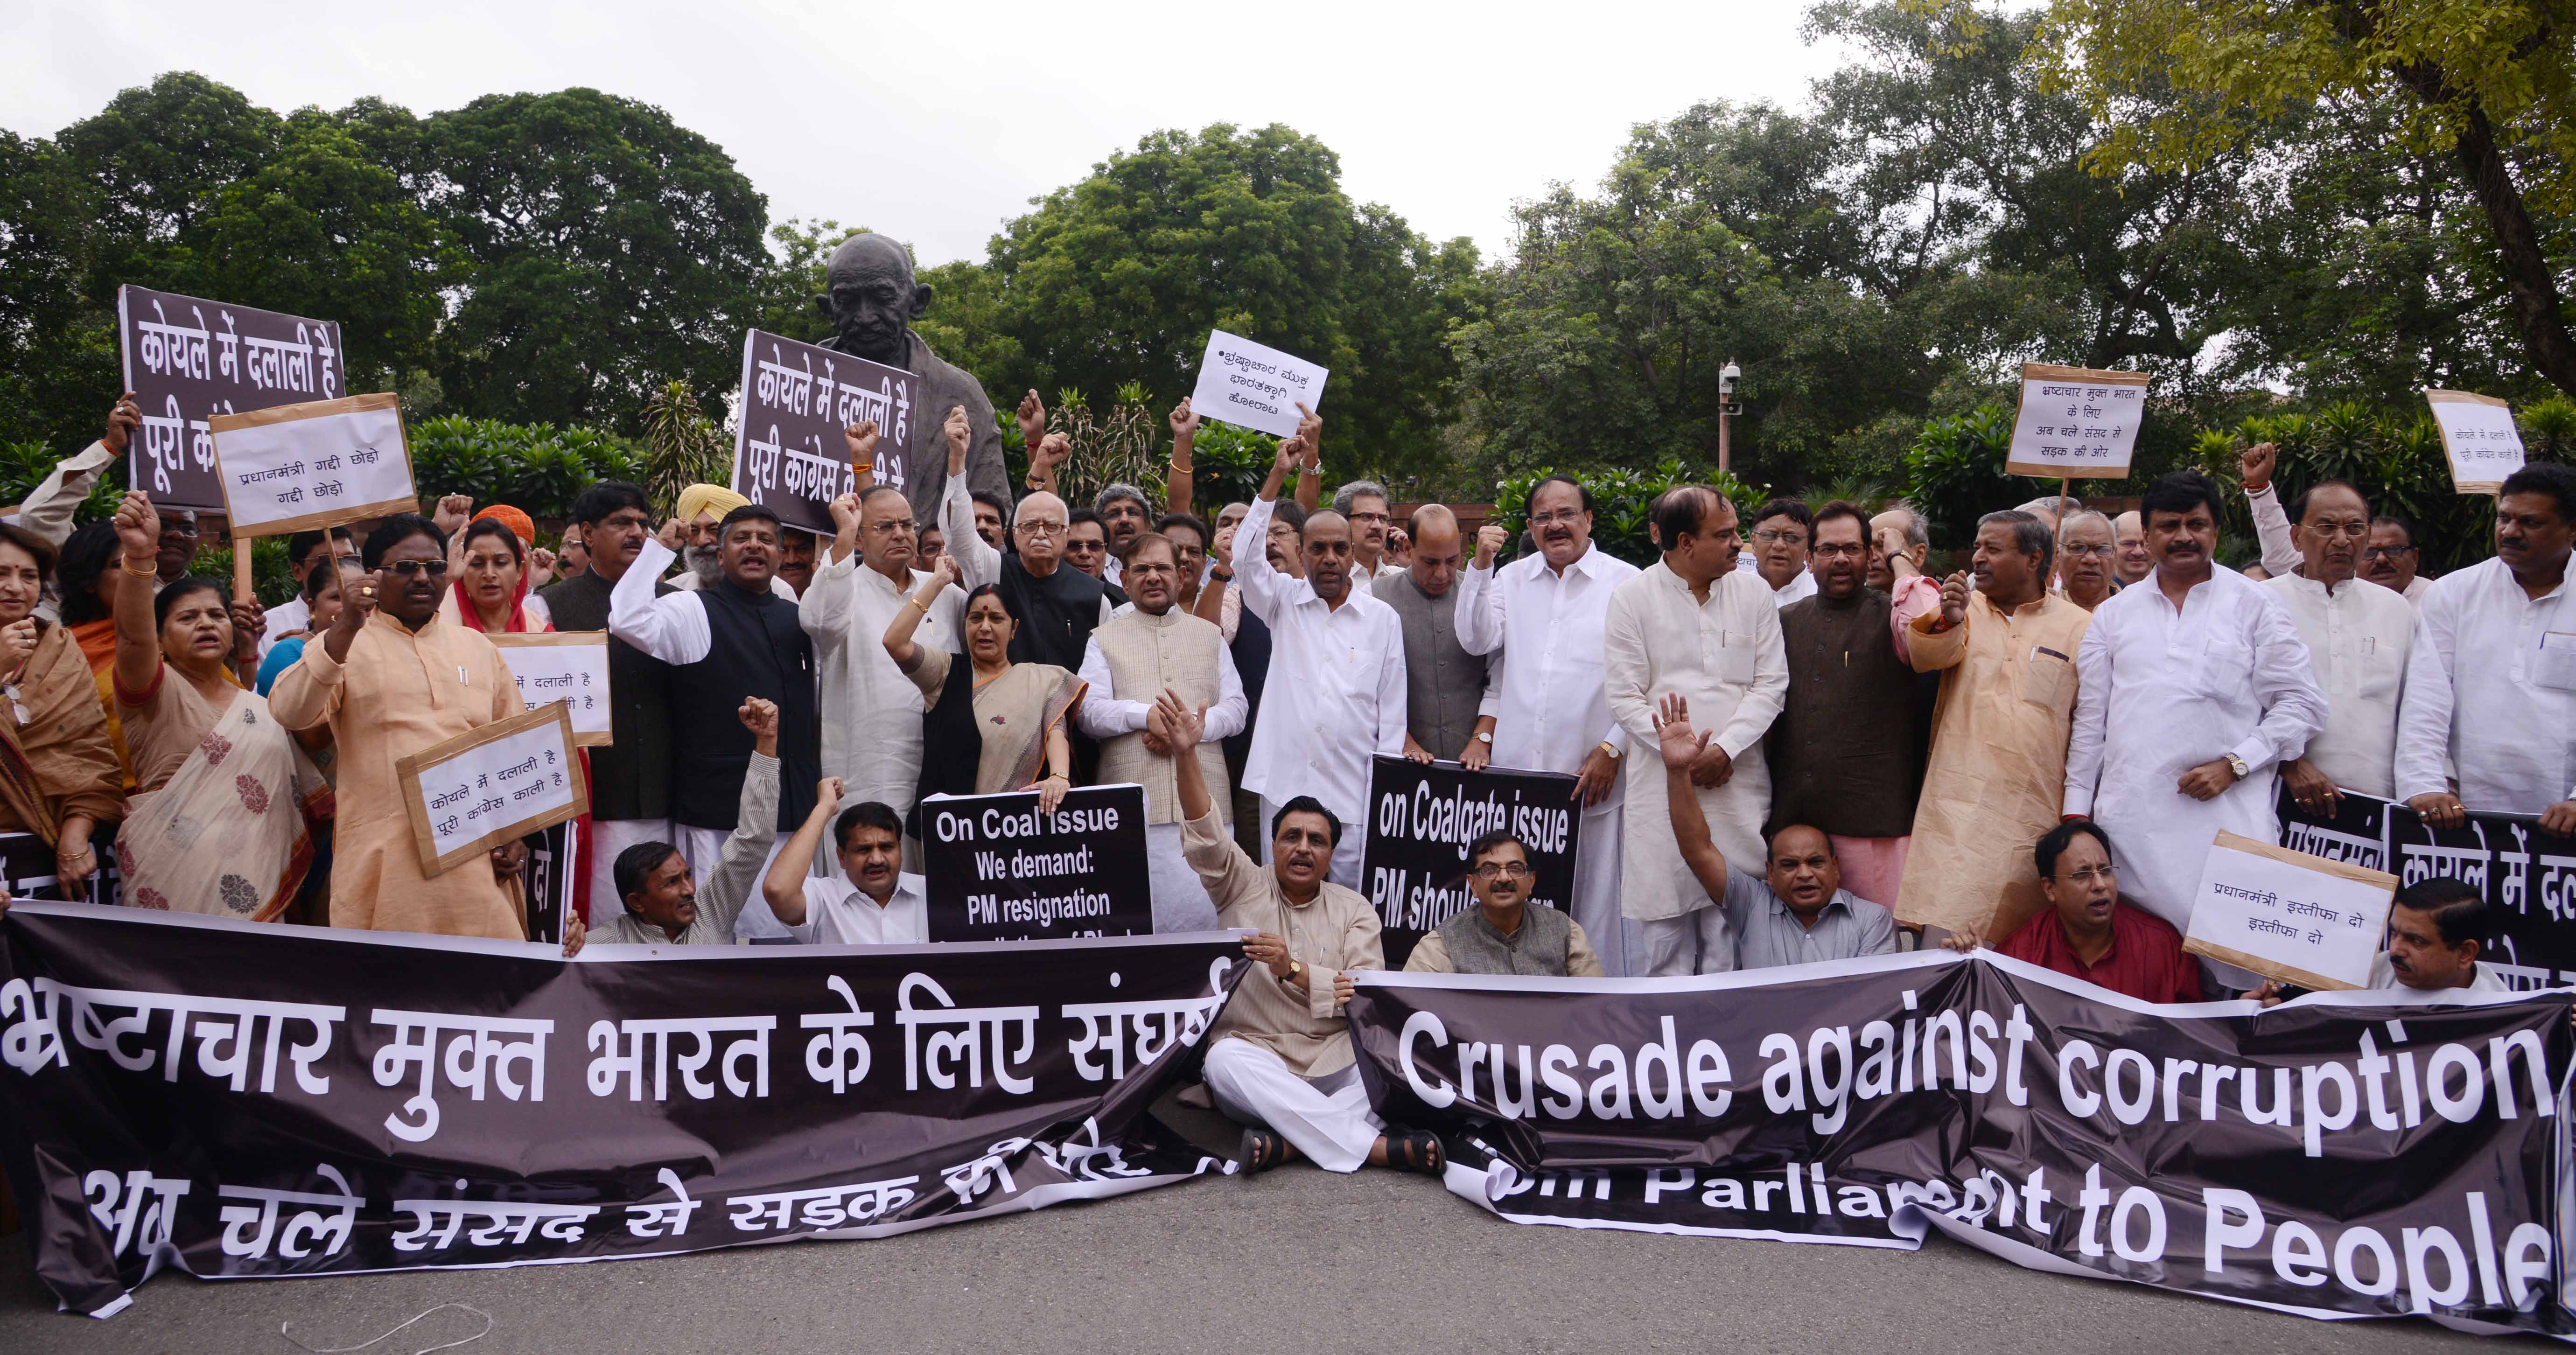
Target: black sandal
(1261, 1151)
(1416, 1153)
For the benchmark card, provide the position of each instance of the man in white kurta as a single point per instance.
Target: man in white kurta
(1694, 624)
(1336, 695)
(2358, 635)
(1547, 612)
(2192, 688)
(871, 711)
(2491, 683)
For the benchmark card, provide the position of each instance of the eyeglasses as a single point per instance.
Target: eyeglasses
(2383, 552)
(1509, 870)
(1841, 551)
(1773, 538)
(2355, 530)
(1086, 547)
(1562, 515)
(1041, 528)
(895, 527)
(404, 569)
(2103, 550)
(2089, 875)
(1370, 517)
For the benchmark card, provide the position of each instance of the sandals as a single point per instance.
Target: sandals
(1261, 1151)
(1416, 1153)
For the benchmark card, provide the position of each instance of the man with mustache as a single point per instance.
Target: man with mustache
(2390, 559)
(1842, 753)
(2358, 636)
(391, 679)
(2089, 932)
(1782, 530)
(1547, 614)
(871, 300)
(691, 531)
(1370, 510)
(2437, 928)
(2085, 550)
(2192, 689)
(1134, 658)
(1279, 1060)
(2491, 684)
(661, 902)
(1503, 934)
(2004, 651)
(1339, 655)
(1796, 911)
(723, 642)
(1058, 605)
(870, 901)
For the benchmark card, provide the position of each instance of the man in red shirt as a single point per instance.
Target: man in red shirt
(2089, 933)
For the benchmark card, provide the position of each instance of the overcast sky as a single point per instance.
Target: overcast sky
(938, 122)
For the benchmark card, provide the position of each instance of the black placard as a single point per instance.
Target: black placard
(789, 453)
(2528, 876)
(188, 359)
(996, 869)
(1422, 817)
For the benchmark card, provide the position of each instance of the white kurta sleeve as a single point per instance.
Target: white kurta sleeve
(2092, 718)
(2285, 681)
(1480, 609)
(1264, 589)
(1226, 718)
(824, 611)
(1763, 700)
(2272, 528)
(1625, 670)
(1392, 692)
(672, 627)
(977, 564)
(1102, 714)
(2424, 718)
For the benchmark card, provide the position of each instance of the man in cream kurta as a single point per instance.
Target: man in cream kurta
(1694, 624)
(401, 680)
(2358, 636)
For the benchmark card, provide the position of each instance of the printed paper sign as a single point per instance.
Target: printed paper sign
(480, 789)
(2300, 919)
(1421, 818)
(789, 453)
(295, 468)
(995, 869)
(2076, 423)
(188, 359)
(567, 666)
(2479, 437)
(1259, 388)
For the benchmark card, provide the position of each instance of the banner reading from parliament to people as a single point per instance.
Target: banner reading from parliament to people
(2344, 1155)
(236, 1099)
(2528, 876)
(1422, 819)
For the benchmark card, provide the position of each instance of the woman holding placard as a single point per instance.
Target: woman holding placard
(58, 775)
(991, 725)
(490, 562)
(218, 822)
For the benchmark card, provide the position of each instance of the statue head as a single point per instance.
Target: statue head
(871, 299)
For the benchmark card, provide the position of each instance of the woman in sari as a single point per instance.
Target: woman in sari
(58, 776)
(218, 825)
(991, 725)
(489, 561)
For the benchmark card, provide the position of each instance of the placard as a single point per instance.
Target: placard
(188, 359)
(1259, 388)
(2076, 422)
(1421, 818)
(295, 468)
(789, 453)
(995, 869)
(2527, 875)
(570, 666)
(2479, 437)
(2288, 916)
(486, 786)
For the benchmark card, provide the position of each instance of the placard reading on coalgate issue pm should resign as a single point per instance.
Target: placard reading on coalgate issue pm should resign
(789, 454)
(1422, 818)
(188, 359)
(996, 869)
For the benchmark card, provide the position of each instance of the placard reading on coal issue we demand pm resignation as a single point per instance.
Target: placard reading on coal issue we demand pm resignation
(995, 868)
(1256, 387)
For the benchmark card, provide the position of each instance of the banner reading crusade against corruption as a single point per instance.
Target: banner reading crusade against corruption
(2345, 1155)
(1423, 817)
(234, 1099)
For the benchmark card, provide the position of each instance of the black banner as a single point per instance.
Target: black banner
(189, 359)
(2528, 876)
(2344, 1155)
(246, 1100)
(796, 400)
(998, 870)
(1421, 819)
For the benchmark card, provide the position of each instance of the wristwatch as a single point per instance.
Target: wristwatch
(2237, 765)
(1485, 736)
(1614, 753)
(1296, 971)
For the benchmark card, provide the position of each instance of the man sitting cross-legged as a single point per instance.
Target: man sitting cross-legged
(1503, 934)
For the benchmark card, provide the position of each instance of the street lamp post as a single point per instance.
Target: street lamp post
(1727, 408)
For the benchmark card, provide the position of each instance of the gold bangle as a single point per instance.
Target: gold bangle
(152, 573)
(917, 602)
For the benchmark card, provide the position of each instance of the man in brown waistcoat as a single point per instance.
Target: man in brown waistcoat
(1842, 752)
(1502, 934)
(1133, 658)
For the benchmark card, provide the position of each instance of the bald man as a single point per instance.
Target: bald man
(1451, 696)
(2085, 551)
(2130, 562)
(1056, 605)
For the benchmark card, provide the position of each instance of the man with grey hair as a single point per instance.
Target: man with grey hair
(1124, 515)
(2085, 548)
(1369, 509)
(871, 299)
(1057, 606)
(1900, 541)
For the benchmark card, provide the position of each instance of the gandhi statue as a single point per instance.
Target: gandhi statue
(871, 299)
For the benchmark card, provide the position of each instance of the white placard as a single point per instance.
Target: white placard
(1244, 383)
(566, 666)
(2076, 423)
(2288, 916)
(2479, 437)
(505, 780)
(293, 468)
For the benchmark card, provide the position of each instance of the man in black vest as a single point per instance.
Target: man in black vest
(727, 641)
(1055, 604)
(630, 780)
(1503, 934)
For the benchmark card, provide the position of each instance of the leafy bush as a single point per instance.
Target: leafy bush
(1621, 501)
(1954, 473)
(537, 468)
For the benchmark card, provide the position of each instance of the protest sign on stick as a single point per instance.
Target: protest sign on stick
(1422, 818)
(2479, 438)
(789, 454)
(484, 787)
(2300, 919)
(295, 468)
(996, 869)
(188, 359)
(570, 666)
(2076, 422)
(1255, 387)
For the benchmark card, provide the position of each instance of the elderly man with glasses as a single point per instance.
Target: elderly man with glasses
(2358, 636)
(2086, 548)
(1056, 606)
(2391, 560)
(1502, 934)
